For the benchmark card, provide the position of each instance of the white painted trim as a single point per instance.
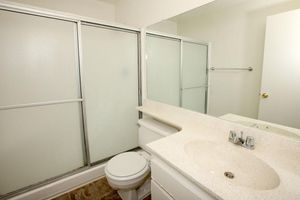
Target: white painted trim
(64, 185)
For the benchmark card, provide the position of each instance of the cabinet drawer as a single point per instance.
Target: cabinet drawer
(176, 184)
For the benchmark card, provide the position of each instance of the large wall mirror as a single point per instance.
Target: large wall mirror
(237, 60)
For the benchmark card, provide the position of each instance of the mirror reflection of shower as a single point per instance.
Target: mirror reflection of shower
(177, 71)
(244, 71)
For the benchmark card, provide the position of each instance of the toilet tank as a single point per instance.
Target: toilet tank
(151, 130)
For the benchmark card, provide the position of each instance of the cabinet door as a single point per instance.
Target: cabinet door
(177, 185)
(110, 68)
(158, 193)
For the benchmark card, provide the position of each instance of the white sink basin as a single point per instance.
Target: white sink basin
(248, 170)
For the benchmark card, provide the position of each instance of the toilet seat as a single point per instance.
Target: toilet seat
(127, 171)
(127, 166)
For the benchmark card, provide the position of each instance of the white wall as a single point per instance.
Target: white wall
(237, 38)
(142, 13)
(165, 26)
(89, 8)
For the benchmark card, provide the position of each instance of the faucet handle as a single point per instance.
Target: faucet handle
(249, 142)
(232, 136)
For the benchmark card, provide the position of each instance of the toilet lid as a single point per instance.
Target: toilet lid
(126, 164)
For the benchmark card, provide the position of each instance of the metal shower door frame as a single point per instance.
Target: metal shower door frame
(182, 40)
(77, 20)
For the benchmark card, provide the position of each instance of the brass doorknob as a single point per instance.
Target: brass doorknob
(264, 95)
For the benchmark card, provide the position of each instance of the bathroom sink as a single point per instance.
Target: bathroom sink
(232, 164)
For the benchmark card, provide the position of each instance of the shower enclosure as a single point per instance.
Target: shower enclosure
(177, 71)
(69, 89)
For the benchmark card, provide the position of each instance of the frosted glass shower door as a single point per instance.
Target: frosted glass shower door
(110, 68)
(163, 69)
(40, 109)
(194, 76)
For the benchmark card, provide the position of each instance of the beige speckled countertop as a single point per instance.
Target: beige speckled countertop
(281, 153)
(277, 128)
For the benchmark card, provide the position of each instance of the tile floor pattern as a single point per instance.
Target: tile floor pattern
(97, 190)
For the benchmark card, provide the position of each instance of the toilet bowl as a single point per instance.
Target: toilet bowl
(128, 172)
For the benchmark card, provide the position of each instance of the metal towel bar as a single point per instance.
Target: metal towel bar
(248, 69)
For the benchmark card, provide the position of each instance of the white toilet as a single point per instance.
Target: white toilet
(128, 172)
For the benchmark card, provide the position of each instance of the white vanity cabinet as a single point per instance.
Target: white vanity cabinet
(157, 192)
(168, 184)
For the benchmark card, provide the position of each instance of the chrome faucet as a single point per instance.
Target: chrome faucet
(248, 143)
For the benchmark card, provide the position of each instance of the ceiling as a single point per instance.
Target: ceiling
(224, 4)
